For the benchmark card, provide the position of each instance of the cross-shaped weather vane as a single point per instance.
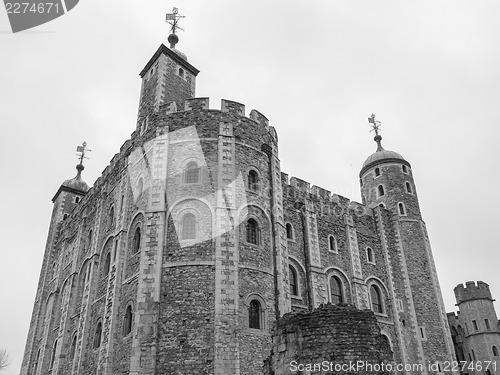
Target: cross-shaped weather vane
(173, 18)
(375, 124)
(81, 151)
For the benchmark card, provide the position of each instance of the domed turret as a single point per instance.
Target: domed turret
(76, 183)
(381, 156)
(387, 181)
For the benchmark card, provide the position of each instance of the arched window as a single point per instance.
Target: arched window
(252, 232)
(181, 72)
(53, 355)
(192, 173)
(332, 244)
(381, 191)
(72, 348)
(495, 351)
(336, 291)
(107, 264)
(188, 227)
(401, 208)
(111, 218)
(370, 256)
(376, 297)
(289, 231)
(127, 321)
(97, 335)
(294, 286)
(405, 170)
(140, 187)
(386, 339)
(136, 243)
(377, 172)
(408, 187)
(253, 180)
(65, 216)
(254, 314)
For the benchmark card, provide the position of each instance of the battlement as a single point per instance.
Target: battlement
(227, 106)
(298, 189)
(471, 291)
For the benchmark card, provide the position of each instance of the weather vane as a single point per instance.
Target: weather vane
(375, 124)
(172, 19)
(81, 151)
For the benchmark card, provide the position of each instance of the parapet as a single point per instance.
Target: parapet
(471, 291)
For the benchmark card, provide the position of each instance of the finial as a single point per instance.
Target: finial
(80, 152)
(376, 128)
(172, 19)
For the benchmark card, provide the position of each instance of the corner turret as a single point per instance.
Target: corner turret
(167, 78)
(386, 180)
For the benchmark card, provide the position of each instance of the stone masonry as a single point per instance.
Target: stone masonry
(193, 243)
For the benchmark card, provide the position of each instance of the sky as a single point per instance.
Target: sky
(317, 69)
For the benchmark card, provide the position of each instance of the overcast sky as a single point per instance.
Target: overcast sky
(317, 69)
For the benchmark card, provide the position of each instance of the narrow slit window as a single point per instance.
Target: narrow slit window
(289, 231)
(408, 188)
(401, 208)
(332, 244)
(294, 288)
(377, 172)
(381, 191)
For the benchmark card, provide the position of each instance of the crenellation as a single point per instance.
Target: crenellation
(258, 117)
(232, 107)
(194, 104)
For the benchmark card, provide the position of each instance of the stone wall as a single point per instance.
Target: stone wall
(326, 338)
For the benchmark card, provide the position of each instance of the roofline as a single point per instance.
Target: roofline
(383, 161)
(167, 51)
(68, 189)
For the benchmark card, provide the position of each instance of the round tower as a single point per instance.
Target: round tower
(478, 320)
(386, 180)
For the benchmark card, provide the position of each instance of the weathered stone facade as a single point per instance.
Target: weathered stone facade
(329, 340)
(475, 329)
(193, 242)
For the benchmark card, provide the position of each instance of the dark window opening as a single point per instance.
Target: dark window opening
(294, 290)
(127, 321)
(254, 312)
(253, 181)
(107, 264)
(97, 335)
(252, 232)
(408, 188)
(289, 231)
(136, 241)
(332, 243)
(377, 172)
(336, 291)
(401, 209)
(381, 191)
(369, 254)
(376, 297)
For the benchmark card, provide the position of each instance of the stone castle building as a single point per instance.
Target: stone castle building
(193, 242)
(475, 329)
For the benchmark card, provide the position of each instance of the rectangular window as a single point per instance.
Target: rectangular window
(474, 323)
(487, 324)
